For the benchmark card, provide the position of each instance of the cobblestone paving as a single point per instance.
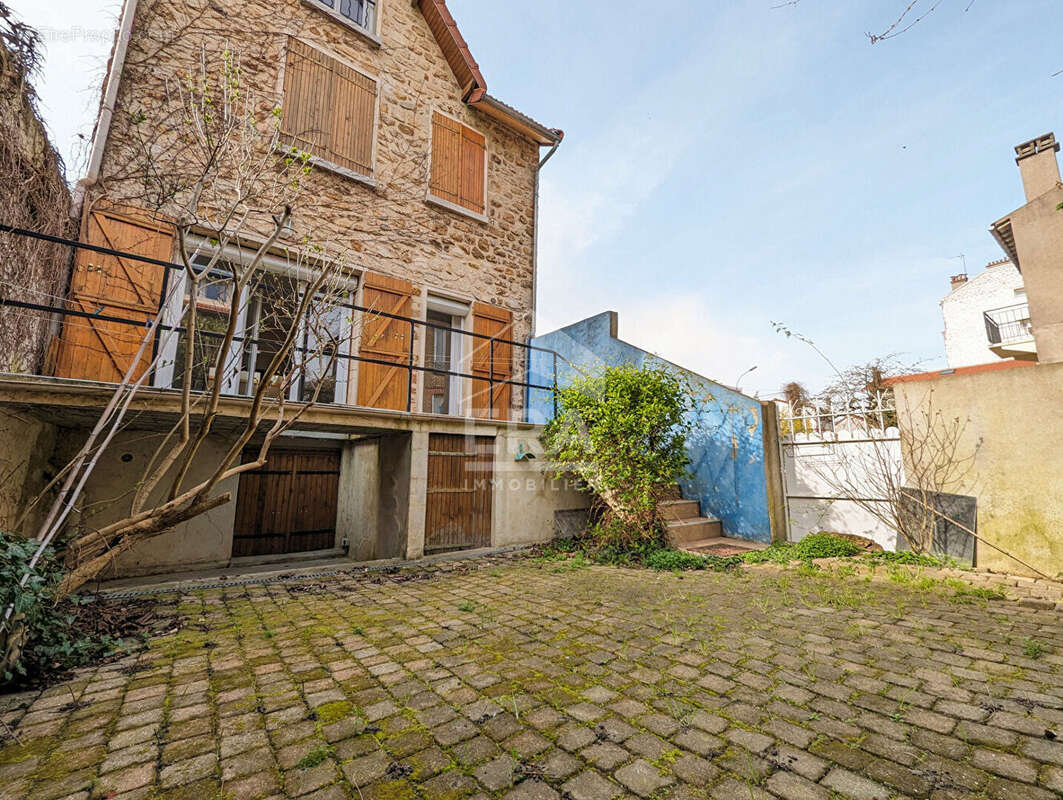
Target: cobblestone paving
(531, 681)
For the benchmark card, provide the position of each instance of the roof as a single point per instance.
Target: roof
(993, 366)
(1001, 230)
(473, 84)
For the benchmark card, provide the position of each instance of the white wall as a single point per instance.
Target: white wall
(966, 343)
(816, 467)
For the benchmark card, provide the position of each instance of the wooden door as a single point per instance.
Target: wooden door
(288, 506)
(460, 494)
(492, 360)
(385, 339)
(104, 285)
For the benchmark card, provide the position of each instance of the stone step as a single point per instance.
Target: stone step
(697, 529)
(673, 510)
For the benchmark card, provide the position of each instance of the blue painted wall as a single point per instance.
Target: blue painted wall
(727, 443)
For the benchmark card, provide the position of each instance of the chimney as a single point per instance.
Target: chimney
(1038, 166)
(958, 280)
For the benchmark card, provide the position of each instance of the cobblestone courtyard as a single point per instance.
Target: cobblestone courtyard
(538, 681)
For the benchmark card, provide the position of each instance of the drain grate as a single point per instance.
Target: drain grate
(182, 588)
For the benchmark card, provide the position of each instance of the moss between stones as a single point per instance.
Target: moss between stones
(334, 712)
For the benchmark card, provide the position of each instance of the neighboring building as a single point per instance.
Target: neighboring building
(1006, 418)
(1032, 238)
(998, 294)
(431, 184)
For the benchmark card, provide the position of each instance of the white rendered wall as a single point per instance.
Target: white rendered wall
(965, 336)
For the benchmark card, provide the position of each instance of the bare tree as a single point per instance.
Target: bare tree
(911, 14)
(226, 182)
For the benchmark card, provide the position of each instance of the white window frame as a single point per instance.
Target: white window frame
(459, 312)
(174, 305)
(371, 34)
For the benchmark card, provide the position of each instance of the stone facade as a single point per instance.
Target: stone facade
(389, 226)
(963, 310)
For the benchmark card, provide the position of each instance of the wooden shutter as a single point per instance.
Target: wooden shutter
(385, 339)
(459, 163)
(497, 323)
(104, 285)
(329, 108)
(473, 165)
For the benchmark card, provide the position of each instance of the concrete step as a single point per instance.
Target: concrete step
(717, 541)
(673, 510)
(697, 529)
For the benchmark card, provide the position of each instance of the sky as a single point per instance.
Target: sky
(730, 164)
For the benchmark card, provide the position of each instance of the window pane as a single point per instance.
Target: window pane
(439, 349)
(325, 327)
(211, 305)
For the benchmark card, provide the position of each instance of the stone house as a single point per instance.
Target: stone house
(426, 181)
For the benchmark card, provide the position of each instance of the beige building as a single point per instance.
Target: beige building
(1032, 238)
(1007, 416)
(429, 187)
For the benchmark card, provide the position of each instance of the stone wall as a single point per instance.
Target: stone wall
(35, 196)
(389, 227)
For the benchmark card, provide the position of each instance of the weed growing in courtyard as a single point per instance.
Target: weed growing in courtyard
(466, 606)
(1033, 649)
(315, 757)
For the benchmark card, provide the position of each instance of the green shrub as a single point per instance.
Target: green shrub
(825, 545)
(669, 560)
(909, 558)
(41, 638)
(622, 433)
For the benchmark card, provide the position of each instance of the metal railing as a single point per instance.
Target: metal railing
(1008, 324)
(411, 365)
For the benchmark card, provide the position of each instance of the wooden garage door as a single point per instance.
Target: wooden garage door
(288, 506)
(460, 470)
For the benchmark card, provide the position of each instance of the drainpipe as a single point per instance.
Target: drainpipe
(535, 236)
(110, 97)
(535, 271)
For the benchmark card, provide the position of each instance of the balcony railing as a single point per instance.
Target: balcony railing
(18, 312)
(1008, 325)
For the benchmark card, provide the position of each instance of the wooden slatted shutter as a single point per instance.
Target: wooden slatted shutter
(329, 108)
(103, 285)
(497, 323)
(446, 159)
(459, 164)
(385, 339)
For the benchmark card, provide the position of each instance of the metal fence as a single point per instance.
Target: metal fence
(1008, 324)
(58, 314)
(833, 456)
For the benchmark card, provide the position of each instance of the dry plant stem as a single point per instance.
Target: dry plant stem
(931, 510)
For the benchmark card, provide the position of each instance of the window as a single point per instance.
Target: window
(318, 366)
(358, 12)
(459, 165)
(1020, 293)
(329, 109)
(444, 346)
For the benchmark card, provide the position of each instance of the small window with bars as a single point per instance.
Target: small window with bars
(360, 12)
